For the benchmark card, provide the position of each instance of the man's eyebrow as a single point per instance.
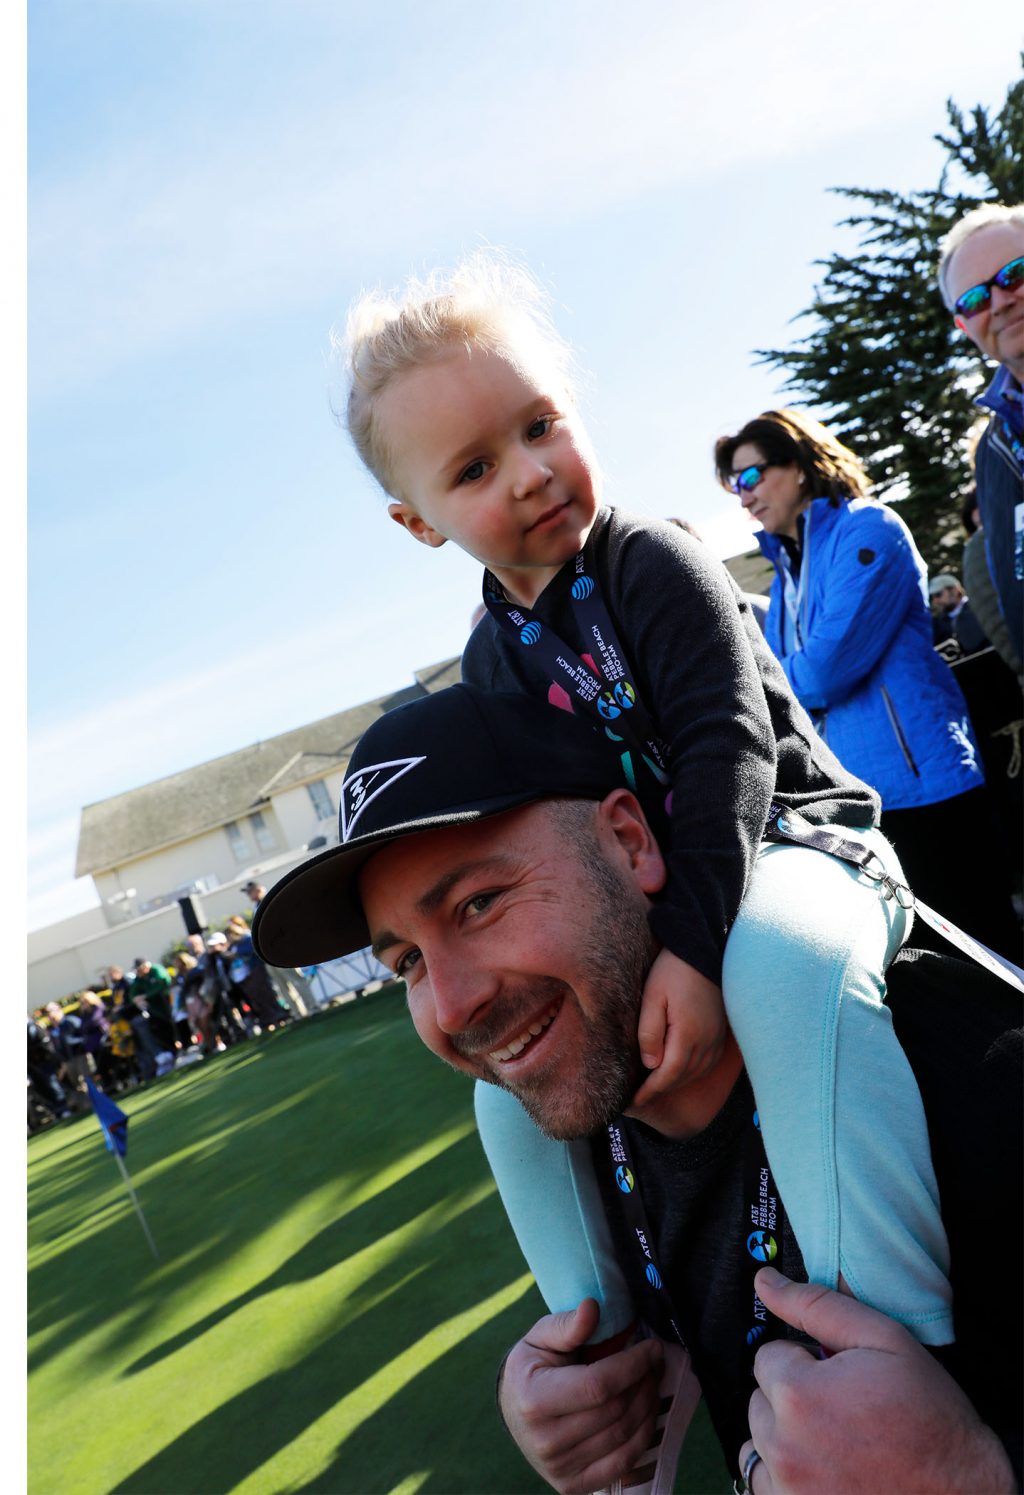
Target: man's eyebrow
(430, 901)
(384, 940)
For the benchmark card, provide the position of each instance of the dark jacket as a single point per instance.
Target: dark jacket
(999, 475)
(736, 736)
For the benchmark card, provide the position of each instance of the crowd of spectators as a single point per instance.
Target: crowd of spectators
(133, 1027)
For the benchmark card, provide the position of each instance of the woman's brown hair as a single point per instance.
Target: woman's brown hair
(785, 437)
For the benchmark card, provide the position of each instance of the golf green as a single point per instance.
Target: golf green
(335, 1288)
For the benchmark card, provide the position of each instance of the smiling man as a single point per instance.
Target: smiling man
(981, 277)
(495, 862)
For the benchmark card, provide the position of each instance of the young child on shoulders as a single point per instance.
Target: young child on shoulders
(462, 405)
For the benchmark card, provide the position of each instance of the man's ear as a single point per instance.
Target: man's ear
(621, 818)
(416, 525)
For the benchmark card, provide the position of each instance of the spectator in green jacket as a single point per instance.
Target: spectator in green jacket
(151, 989)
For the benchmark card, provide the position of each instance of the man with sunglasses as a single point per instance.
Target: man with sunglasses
(981, 277)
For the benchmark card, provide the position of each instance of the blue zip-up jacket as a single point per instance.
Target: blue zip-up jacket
(854, 637)
(999, 470)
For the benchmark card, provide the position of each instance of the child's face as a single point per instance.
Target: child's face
(492, 456)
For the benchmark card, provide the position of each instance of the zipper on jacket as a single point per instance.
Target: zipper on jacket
(895, 724)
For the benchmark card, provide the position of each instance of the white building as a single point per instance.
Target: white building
(251, 814)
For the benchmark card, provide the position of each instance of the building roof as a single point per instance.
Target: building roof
(140, 821)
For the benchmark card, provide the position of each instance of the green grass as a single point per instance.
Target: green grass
(337, 1282)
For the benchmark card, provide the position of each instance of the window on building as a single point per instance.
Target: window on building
(262, 832)
(239, 849)
(321, 797)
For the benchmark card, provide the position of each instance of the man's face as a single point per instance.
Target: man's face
(53, 1012)
(947, 598)
(524, 956)
(998, 330)
(143, 968)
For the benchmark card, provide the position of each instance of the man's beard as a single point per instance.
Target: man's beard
(616, 950)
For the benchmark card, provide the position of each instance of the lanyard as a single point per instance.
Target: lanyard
(599, 679)
(785, 825)
(763, 1221)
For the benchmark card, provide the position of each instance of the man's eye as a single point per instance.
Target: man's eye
(480, 902)
(406, 961)
(540, 427)
(473, 473)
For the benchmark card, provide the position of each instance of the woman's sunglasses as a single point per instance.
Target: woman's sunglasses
(747, 480)
(978, 297)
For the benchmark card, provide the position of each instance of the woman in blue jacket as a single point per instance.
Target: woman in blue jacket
(849, 622)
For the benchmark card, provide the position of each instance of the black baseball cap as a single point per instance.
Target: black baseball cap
(458, 755)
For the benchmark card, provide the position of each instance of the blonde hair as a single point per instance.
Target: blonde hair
(487, 302)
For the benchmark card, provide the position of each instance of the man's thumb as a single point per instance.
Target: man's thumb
(564, 1333)
(834, 1320)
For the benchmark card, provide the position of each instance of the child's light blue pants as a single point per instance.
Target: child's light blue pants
(841, 1114)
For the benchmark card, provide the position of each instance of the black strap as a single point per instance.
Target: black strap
(763, 1220)
(600, 680)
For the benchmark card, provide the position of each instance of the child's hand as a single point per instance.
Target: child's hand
(682, 1026)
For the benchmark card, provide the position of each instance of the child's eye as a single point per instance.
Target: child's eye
(540, 427)
(473, 473)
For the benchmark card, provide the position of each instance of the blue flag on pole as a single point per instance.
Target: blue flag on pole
(111, 1118)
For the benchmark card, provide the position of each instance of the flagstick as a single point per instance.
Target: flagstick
(138, 1207)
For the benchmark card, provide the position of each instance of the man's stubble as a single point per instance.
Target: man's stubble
(616, 949)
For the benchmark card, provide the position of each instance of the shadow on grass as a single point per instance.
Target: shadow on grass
(402, 1202)
(222, 1157)
(222, 1154)
(433, 1414)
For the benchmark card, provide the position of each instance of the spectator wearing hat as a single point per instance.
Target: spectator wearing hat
(952, 617)
(210, 978)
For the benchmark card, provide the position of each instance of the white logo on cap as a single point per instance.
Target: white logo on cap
(357, 792)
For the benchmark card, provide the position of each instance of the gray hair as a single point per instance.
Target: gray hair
(486, 302)
(989, 215)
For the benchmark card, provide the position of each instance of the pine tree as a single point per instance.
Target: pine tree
(883, 364)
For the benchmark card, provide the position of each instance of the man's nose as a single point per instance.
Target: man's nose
(1002, 297)
(462, 992)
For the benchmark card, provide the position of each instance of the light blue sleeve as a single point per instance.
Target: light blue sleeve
(554, 1206)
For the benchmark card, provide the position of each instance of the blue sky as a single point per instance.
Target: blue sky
(211, 182)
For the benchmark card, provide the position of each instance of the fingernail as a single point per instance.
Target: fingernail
(771, 1278)
(648, 1061)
